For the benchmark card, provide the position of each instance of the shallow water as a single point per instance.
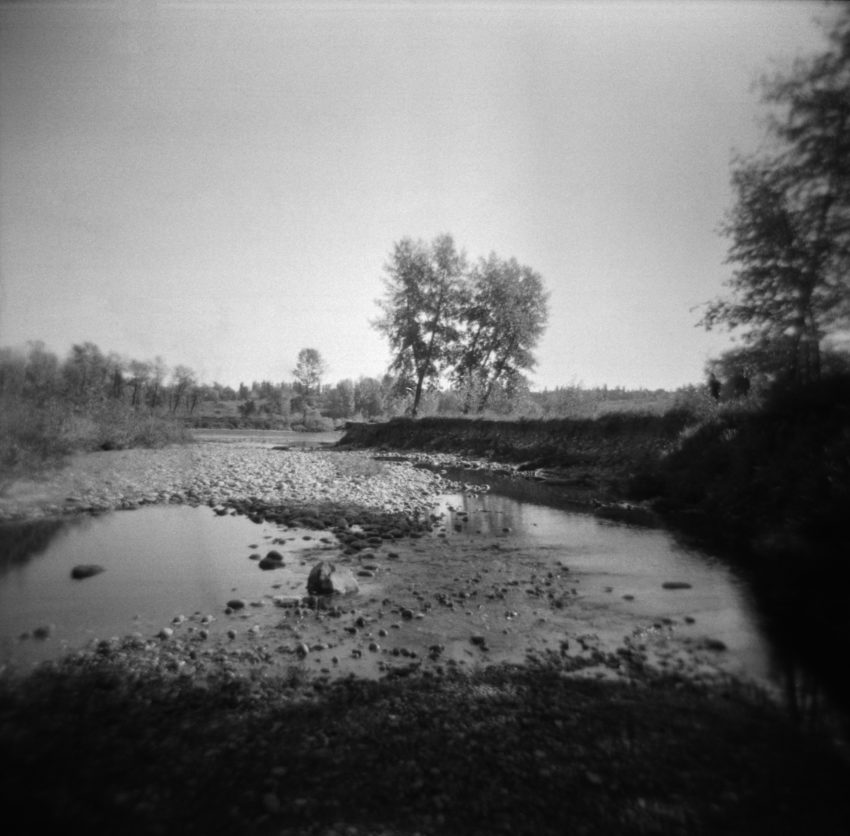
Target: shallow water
(160, 562)
(623, 569)
(270, 438)
(169, 561)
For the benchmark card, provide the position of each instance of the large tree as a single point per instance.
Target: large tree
(790, 225)
(503, 317)
(421, 309)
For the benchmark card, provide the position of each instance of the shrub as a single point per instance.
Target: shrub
(317, 423)
(29, 439)
(785, 467)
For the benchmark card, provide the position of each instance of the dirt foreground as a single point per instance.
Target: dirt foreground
(454, 693)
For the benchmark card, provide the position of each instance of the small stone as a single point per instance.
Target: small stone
(272, 560)
(165, 633)
(675, 585)
(237, 604)
(86, 570)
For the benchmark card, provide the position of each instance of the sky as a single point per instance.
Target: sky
(221, 183)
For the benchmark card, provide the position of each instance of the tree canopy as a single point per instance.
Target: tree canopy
(479, 326)
(309, 371)
(421, 309)
(503, 319)
(790, 225)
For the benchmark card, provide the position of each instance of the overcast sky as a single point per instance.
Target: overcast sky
(221, 183)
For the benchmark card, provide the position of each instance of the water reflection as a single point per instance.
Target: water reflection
(778, 640)
(289, 439)
(21, 542)
(159, 562)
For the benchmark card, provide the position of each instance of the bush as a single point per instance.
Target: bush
(317, 423)
(29, 439)
(34, 437)
(785, 467)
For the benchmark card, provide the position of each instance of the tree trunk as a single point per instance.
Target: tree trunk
(417, 395)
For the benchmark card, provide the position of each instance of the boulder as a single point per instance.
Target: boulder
(328, 579)
(86, 570)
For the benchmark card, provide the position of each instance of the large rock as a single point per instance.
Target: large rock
(329, 579)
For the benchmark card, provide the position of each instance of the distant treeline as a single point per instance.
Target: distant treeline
(91, 399)
(373, 399)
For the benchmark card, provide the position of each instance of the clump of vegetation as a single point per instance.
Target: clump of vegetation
(788, 232)
(89, 401)
(785, 466)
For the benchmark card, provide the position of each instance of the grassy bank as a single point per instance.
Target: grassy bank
(105, 746)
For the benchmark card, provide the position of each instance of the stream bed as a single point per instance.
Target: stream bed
(500, 577)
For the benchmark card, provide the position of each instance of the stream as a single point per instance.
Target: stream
(163, 563)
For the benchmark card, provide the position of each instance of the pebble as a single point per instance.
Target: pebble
(237, 603)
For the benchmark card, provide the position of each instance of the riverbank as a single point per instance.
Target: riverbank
(104, 745)
(767, 488)
(588, 460)
(257, 733)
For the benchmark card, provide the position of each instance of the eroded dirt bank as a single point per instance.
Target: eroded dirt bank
(590, 458)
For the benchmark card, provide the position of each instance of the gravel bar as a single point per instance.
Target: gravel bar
(221, 474)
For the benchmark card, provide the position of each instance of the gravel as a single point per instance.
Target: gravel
(220, 473)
